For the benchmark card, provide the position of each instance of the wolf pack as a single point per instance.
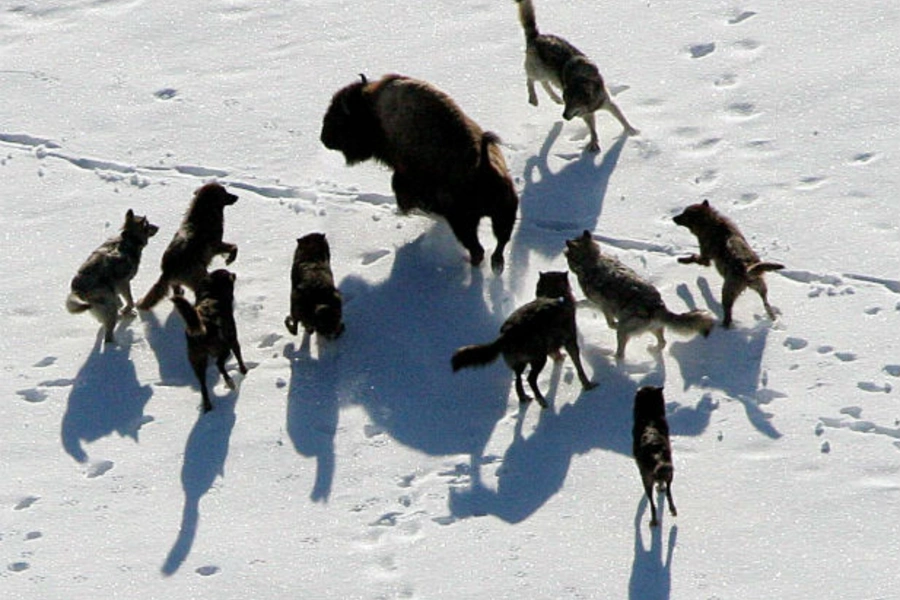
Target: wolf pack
(445, 164)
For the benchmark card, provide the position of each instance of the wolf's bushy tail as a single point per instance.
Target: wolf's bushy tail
(475, 355)
(694, 321)
(192, 324)
(75, 305)
(762, 267)
(526, 17)
(156, 293)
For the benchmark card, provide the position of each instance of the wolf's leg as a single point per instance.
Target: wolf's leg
(759, 285)
(648, 489)
(672, 510)
(537, 365)
(532, 95)
(520, 389)
(614, 110)
(551, 92)
(594, 144)
(575, 353)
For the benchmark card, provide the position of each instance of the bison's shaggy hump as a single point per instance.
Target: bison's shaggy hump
(443, 162)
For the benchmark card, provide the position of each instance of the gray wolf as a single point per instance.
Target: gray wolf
(197, 241)
(630, 304)
(722, 243)
(443, 162)
(551, 60)
(107, 274)
(531, 333)
(651, 446)
(210, 329)
(315, 301)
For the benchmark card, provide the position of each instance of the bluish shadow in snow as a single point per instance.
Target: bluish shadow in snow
(557, 206)
(394, 357)
(535, 467)
(651, 575)
(169, 345)
(312, 409)
(729, 360)
(204, 460)
(106, 397)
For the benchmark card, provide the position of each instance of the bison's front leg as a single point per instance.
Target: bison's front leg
(412, 192)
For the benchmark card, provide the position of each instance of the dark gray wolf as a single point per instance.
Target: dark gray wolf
(443, 162)
(651, 446)
(315, 301)
(550, 59)
(630, 304)
(531, 333)
(210, 328)
(722, 243)
(107, 274)
(197, 241)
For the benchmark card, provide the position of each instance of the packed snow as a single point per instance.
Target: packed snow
(364, 467)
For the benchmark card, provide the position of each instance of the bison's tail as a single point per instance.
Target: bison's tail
(475, 356)
(192, 324)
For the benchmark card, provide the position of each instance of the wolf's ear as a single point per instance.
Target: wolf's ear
(129, 216)
(706, 203)
(586, 235)
(232, 276)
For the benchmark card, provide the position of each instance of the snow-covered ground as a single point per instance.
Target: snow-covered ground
(364, 468)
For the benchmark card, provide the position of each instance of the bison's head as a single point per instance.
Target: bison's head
(350, 125)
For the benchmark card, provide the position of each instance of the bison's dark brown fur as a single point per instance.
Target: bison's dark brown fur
(443, 162)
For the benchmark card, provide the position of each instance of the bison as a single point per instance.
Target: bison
(443, 162)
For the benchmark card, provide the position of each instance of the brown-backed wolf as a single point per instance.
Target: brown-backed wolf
(197, 241)
(630, 304)
(531, 333)
(722, 243)
(315, 301)
(210, 328)
(443, 162)
(551, 60)
(651, 446)
(107, 274)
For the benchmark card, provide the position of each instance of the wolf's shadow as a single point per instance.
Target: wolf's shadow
(651, 574)
(554, 206)
(729, 360)
(106, 397)
(204, 461)
(313, 407)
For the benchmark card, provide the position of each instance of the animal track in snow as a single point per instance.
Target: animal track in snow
(747, 45)
(845, 356)
(207, 570)
(165, 93)
(375, 255)
(863, 158)
(26, 502)
(33, 395)
(858, 424)
(99, 469)
(742, 110)
(869, 386)
(811, 182)
(892, 370)
(793, 343)
(18, 567)
(726, 80)
(701, 50)
(741, 17)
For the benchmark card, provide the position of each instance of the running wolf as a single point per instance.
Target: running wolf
(549, 59)
(315, 301)
(197, 241)
(210, 328)
(722, 243)
(107, 274)
(651, 446)
(630, 304)
(531, 333)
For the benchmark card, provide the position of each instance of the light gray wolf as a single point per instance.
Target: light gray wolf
(553, 61)
(651, 446)
(210, 329)
(630, 304)
(197, 241)
(107, 274)
(531, 333)
(315, 301)
(443, 162)
(722, 243)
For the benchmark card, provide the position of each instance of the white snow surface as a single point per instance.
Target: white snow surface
(363, 467)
